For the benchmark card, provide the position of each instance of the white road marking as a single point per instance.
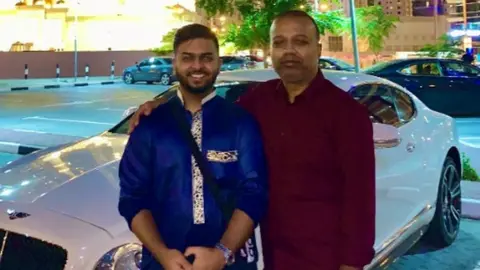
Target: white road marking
(75, 103)
(68, 120)
(28, 130)
(86, 102)
(109, 109)
(471, 200)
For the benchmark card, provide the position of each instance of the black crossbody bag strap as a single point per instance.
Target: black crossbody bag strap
(227, 208)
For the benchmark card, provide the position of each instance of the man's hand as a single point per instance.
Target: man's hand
(206, 258)
(144, 110)
(173, 259)
(346, 267)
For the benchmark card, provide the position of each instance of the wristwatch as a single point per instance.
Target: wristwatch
(227, 253)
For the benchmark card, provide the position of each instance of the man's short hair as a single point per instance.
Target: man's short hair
(193, 31)
(298, 14)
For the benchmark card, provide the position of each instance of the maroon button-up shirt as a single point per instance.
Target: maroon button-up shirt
(322, 177)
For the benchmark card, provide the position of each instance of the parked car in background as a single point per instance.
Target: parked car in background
(233, 63)
(61, 202)
(150, 70)
(334, 64)
(448, 86)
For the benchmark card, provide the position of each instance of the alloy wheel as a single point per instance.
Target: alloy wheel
(128, 78)
(451, 200)
(165, 79)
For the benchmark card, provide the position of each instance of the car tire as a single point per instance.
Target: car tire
(165, 79)
(128, 78)
(445, 225)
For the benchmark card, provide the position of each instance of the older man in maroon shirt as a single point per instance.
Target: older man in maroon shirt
(319, 145)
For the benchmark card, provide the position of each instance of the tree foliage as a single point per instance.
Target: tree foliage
(445, 47)
(254, 31)
(374, 26)
(167, 44)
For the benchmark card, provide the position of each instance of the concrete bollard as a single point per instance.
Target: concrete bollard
(26, 72)
(57, 73)
(87, 71)
(112, 70)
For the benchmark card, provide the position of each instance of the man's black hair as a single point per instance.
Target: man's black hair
(298, 14)
(193, 31)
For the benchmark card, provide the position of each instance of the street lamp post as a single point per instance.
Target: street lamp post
(356, 56)
(75, 50)
(315, 2)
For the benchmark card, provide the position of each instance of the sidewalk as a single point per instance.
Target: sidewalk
(50, 83)
(471, 200)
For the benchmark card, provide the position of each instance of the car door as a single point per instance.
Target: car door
(464, 88)
(399, 170)
(140, 73)
(425, 79)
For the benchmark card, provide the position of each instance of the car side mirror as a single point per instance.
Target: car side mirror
(385, 136)
(129, 111)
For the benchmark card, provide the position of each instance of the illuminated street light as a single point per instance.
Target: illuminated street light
(323, 7)
(214, 29)
(222, 19)
(302, 7)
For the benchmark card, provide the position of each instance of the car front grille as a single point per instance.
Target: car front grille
(21, 252)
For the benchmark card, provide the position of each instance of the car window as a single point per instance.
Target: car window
(231, 91)
(167, 61)
(325, 64)
(460, 69)
(403, 104)
(379, 101)
(422, 69)
(144, 63)
(158, 62)
(343, 64)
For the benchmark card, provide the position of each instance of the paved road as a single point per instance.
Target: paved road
(79, 111)
(5, 158)
(464, 254)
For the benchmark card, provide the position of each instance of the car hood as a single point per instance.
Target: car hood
(79, 180)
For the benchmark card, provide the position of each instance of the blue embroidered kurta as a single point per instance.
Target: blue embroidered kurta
(158, 173)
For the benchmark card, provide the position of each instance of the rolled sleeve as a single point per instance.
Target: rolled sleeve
(135, 173)
(252, 194)
(357, 156)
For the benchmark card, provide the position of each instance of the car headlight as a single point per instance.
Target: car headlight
(126, 257)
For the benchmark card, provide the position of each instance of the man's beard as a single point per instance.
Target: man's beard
(183, 81)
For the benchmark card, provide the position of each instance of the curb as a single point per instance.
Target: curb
(54, 86)
(471, 208)
(18, 149)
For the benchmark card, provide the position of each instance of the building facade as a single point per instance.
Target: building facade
(97, 25)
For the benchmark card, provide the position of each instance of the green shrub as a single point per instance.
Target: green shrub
(469, 173)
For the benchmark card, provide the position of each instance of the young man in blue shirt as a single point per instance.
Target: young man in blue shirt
(164, 197)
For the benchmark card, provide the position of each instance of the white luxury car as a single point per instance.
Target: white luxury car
(59, 205)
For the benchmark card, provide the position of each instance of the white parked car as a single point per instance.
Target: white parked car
(59, 205)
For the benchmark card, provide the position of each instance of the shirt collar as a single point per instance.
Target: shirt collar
(308, 92)
(204, 100)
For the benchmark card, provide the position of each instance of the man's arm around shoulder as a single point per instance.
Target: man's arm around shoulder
(356, 155)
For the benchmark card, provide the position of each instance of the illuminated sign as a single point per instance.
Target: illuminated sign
(469, 33)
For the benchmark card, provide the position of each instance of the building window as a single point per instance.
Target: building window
(335, 44)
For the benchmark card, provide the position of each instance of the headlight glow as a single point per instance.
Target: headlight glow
(126, 257)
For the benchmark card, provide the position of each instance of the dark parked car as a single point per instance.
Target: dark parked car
(334, 64)
(150, 70)
(233, 63)
(448, 86)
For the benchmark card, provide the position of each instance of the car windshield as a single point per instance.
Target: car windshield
(167, 60)
(230, 90)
